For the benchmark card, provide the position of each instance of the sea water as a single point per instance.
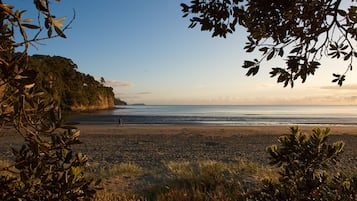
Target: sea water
(227, 115)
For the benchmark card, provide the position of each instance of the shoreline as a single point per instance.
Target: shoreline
(152, 147)
(211, 130)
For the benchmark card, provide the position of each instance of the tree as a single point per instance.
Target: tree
(300, 31)
(45, 168)
(102, 80)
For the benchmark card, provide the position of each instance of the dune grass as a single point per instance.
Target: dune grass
(203, 180)
(180, 181)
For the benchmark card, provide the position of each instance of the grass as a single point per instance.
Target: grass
(179, 181)
(186, 181)
(204, 180)
(96, 170)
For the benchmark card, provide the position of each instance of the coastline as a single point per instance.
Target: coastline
(152, 147)
(254, 115)
(209, 130)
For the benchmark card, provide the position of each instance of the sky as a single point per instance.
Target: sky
(146, 52)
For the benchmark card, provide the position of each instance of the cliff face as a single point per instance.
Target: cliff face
(104, 101)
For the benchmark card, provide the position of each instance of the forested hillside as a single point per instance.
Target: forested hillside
(76, 91)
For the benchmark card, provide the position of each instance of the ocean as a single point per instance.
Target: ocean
(225, 115)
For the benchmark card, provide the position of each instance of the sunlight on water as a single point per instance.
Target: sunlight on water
(228, 115)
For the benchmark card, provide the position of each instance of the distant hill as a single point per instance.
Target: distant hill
(75, 90)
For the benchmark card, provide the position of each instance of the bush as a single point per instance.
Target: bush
(48, 171)
(306, 169)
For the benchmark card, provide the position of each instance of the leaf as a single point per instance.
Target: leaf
(49, 32)
(28, 86)
(271, 54)
(27, 20)
(336, 75)
(252, 71)
(333, 46)
(295, 50)
(281, 78)
(60, 32)
(30, 26)
(343, 47)
(281, 52)
(6, 8)
(348, 56)
(339, 79)
(264, 49)
(233, 24)
(342, 12)
(248, 64)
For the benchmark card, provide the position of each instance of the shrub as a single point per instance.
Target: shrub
(306, 169)
(48, 171)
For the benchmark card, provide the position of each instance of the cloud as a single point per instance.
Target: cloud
(344, 87)
(134, 97)
(265, 85)
(118, 83)
(134, 93)
(143, 93)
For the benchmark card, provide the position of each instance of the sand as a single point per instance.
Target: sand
(152, 146)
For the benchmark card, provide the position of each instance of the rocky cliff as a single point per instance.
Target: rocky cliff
(94, 99)
(103, 101)
(77, 91)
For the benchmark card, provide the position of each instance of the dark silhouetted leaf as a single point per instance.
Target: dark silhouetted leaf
(30, 26)
(60, 32)
(253, 71)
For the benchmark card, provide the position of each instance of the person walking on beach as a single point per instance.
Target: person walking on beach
(120, 122)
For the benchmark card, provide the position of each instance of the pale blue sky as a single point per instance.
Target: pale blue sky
(145, 51)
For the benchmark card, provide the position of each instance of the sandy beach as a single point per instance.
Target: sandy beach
(152, 146)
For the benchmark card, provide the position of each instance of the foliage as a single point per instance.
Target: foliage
(305, 163)
(207, 180)
(300, 31)
(48, 170)
(45, 167)
(72, 88)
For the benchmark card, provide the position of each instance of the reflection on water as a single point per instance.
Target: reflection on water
(226, 115)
